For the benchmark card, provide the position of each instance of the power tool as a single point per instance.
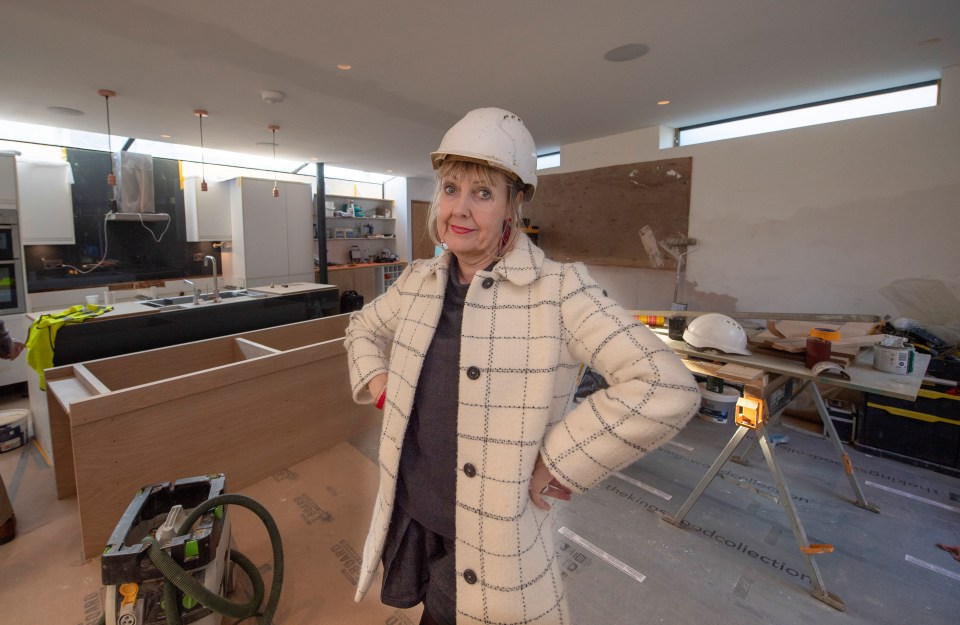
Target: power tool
(169, 561)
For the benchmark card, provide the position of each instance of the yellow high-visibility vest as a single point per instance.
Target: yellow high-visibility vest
(43, 334)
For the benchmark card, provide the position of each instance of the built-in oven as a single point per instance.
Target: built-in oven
(13, 288)
(9, 235)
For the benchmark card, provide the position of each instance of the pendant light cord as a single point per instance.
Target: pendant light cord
(109, 140)
(203, 170)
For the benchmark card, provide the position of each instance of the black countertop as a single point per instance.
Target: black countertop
(101, 338)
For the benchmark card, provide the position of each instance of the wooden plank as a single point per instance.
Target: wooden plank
(61, 441)
(89, 381)
(249, 349)
(800, 344)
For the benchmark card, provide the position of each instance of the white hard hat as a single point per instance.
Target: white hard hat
(717, 331)
(494, 137)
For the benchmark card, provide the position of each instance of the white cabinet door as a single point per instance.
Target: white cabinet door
(46, 203)
(299, 231)
(272, 237)
(264, 230)
(207, 212)
(8, 179)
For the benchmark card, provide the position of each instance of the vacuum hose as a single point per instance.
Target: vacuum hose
(177, 577)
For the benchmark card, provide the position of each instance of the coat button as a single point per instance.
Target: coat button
(473, 373)
(487, 283)
(469, 469)
(469, 576)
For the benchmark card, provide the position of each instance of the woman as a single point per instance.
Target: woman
(474, 357)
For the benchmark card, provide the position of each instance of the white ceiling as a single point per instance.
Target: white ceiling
(419, 65)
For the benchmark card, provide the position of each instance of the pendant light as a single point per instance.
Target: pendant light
(111, 177)
(274, 128)
(203, 175)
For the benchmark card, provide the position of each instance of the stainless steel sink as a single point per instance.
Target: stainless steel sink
(168, 301)
(206, 297)
(176, 303)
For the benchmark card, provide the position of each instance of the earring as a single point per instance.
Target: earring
(443, 245)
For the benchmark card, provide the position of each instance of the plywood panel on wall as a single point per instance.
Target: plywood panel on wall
(595, 216)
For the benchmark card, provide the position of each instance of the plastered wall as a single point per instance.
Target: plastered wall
(860, 216)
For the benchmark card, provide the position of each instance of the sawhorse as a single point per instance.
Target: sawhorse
(752, 415)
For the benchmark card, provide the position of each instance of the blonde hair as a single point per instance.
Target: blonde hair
(490, 176)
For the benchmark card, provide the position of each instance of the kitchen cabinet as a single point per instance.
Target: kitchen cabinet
(207, 212)
(8, 181)
(271, 237)
(373, 235)
(370, 281)
(46, 203)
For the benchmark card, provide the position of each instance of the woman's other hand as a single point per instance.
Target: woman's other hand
(377, 385)
(543, 484)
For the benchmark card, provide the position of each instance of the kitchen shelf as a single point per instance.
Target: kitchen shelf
(364, 218)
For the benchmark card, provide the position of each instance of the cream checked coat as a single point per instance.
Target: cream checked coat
(527, 325)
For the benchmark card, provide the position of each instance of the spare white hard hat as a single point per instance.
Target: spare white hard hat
(717, 331)
(494, 137)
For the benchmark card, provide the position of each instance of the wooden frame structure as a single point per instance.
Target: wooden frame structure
(247, 405)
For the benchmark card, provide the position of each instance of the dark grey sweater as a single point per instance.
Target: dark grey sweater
(426, 488)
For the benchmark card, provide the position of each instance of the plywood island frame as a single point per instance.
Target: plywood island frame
(246, 405)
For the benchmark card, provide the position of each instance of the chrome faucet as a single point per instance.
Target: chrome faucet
(196, 291)
(216, 287)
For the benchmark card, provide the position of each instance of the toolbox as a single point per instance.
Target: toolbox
(924, 432)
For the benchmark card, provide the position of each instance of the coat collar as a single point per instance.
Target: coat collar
(521, 266)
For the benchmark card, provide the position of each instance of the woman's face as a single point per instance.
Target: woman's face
(471, 215)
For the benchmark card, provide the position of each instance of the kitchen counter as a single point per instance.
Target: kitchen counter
(361, 265)
(139, 307)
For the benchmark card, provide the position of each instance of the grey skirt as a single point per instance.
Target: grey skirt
(419, 566)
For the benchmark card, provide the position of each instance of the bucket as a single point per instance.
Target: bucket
(718, 407)
(13, 429)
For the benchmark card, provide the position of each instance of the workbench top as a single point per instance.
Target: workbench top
(863, 377)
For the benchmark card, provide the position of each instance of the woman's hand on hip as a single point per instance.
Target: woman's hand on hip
(543, 484)
(377, 385)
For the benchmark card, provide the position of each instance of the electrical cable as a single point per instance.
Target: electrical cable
(106, 244)
(155, 239)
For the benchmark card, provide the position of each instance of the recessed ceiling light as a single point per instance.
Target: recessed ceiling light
(63, 110)
(663, 102)
(627, 52)
(272, 97)
(165, 135)
(344, 66)
(389, 171)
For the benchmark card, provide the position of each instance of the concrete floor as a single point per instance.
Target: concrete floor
(735, 562)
